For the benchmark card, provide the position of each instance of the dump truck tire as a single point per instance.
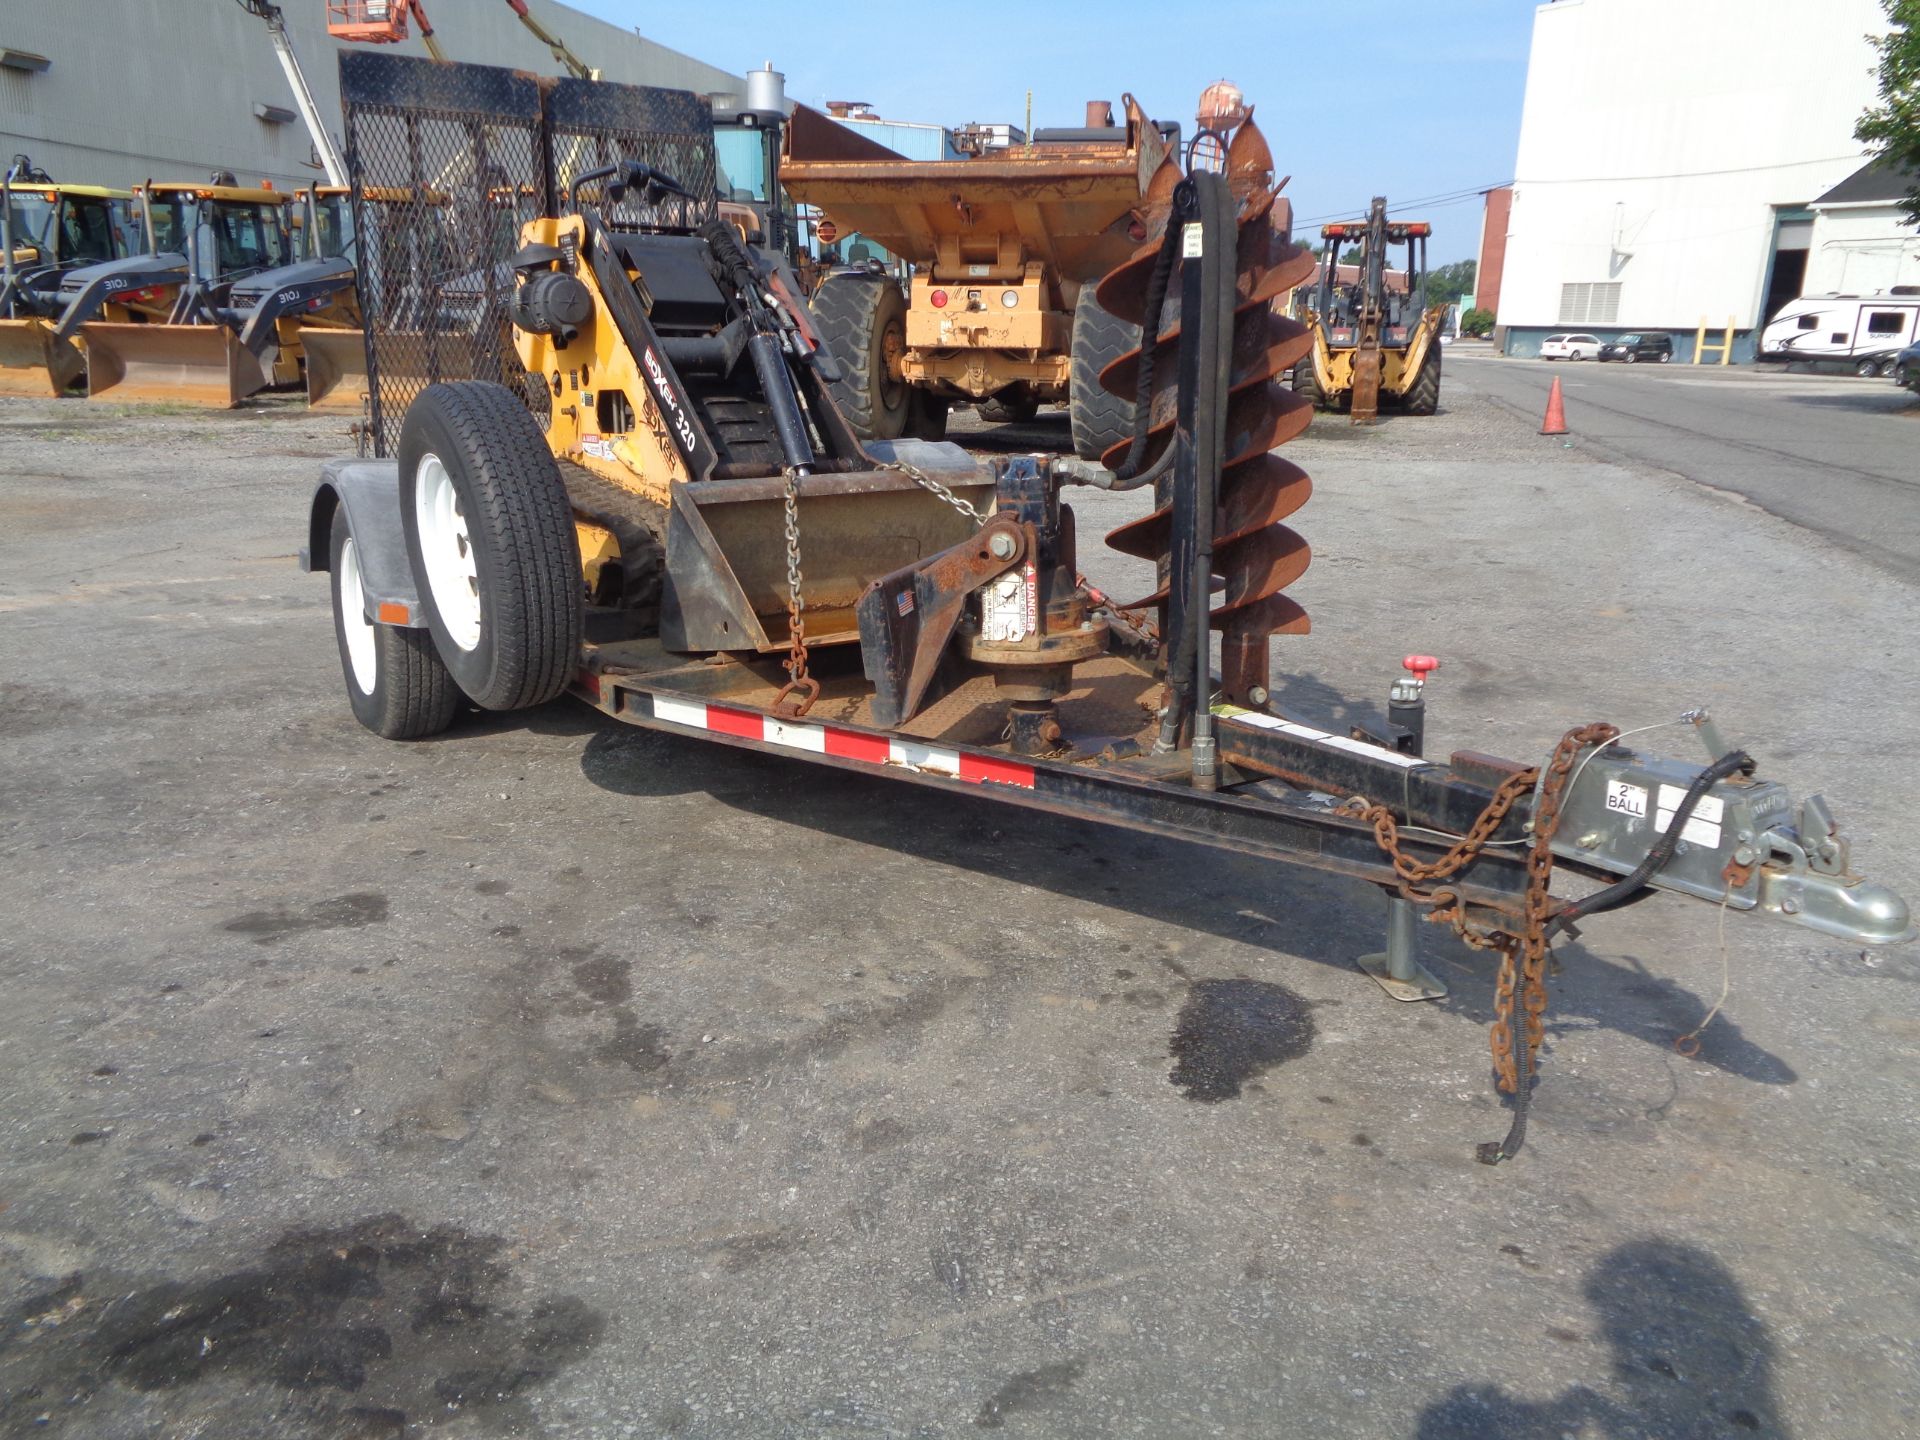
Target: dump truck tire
(396, 683)
(927, 416)
(491, 539)
(862, 319)
(1423, 396)
(1307, 383)
(1100, 420)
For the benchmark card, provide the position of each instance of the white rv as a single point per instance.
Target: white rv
(1861, 331)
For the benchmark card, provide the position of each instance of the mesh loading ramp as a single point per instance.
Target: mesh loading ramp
(467, 154)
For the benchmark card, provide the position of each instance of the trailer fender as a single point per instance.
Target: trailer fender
(370, 491)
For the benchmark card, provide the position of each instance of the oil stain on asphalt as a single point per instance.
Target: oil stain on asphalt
(342, 912)
(380, 1328)
(1232, 1030)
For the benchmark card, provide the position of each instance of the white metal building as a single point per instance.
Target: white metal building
(111, 92)
(1861, 242)
(1669, 156)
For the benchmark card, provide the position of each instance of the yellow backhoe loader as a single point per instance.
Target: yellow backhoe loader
(47, 230)
(1373, 339)
(191, 350)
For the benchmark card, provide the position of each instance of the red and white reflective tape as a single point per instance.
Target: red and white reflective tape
(844, 744)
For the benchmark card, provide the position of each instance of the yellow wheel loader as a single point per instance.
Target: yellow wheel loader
(1375, 337)
(1002, 245)
(48, 230)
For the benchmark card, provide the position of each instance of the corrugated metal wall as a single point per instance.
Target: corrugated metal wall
(167, 88)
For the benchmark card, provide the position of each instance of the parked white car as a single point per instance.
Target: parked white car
(1570, 347)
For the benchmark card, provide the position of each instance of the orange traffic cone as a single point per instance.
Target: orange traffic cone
(1556, 421)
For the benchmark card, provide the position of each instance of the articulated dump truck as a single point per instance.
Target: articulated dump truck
(1003, 246)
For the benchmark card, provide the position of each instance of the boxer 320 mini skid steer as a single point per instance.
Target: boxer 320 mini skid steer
(697, 544)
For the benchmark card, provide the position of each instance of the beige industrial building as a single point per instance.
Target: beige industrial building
(112, 92)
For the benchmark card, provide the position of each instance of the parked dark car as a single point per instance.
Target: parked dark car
(1905, 368)
(1639, 346)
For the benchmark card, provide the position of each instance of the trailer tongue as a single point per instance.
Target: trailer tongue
(690, 539)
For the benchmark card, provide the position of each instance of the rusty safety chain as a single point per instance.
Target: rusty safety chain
(796, 697)
(1523, 954)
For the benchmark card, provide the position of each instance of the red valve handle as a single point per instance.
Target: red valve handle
(1421, 665)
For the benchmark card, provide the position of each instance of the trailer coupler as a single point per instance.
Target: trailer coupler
(1744, 844)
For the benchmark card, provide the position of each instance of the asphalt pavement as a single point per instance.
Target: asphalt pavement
(555, 1078)
(1837, 454)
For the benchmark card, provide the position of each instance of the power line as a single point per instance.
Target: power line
(1445, 197)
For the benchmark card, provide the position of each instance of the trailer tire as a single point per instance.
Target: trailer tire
(1100, 419)
(862, 321)
(1423, 396)
(395, 682)
(490, 536)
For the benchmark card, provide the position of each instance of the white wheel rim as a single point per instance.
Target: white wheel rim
(447, 552)
(354, 624)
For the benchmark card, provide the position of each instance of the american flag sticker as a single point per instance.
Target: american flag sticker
(905, 602)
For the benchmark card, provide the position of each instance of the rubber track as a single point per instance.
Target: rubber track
(638, 525)
(527, 514)
(1100, 419)
(843, 308)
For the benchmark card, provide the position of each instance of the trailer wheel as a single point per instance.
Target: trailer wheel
(1100, 419)
(862, 319)
(1423, 396)
(1306, 383)
(490, 535)
(395, 682)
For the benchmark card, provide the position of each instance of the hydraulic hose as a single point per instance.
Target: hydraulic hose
(1128, 469)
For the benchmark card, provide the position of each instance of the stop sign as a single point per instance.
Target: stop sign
(827, 231)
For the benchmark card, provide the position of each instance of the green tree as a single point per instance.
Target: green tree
(1892, 128)
(1477, 322)
(1449, 284)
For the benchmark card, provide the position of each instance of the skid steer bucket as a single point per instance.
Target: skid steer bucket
(35, 361)
(187, 364)
(336, 369)
(726, 584)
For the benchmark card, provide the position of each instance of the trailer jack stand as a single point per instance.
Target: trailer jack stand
(1394, 969)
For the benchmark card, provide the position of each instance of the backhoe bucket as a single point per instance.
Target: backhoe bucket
(726, 584)
(185, 364)
(34, 361)
(336, 369)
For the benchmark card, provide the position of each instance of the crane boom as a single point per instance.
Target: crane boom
(576, 67)
(323, 146)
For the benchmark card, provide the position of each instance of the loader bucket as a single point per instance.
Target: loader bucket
(186, 364)
(336, 369)
(726, 585)
(35, 361)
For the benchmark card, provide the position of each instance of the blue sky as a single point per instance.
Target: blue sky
(1448, 76)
